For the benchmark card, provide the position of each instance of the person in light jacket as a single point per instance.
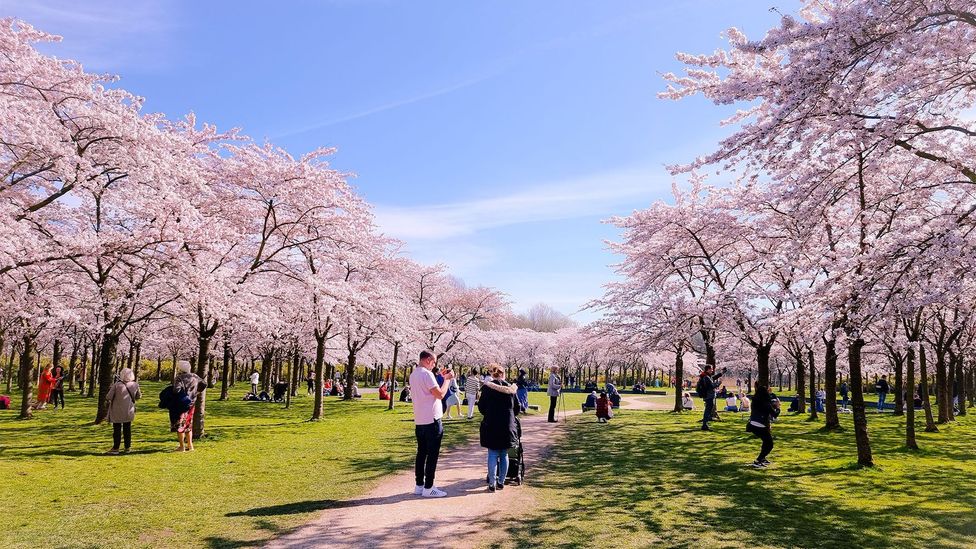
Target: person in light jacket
(121, 403)
(555, 385)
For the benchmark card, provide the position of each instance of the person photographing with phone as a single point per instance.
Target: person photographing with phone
(427, 394)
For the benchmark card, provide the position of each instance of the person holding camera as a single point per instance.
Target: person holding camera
(707, 382)
(427, 394)
(553, 390)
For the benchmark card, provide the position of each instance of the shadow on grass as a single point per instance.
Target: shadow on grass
(659, 480)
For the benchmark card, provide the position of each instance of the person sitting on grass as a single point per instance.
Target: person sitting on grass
(326, 386)
(730, 404)
(405, 394)
(384, 393)
(746, 403)
(686, 401)
(604, 410)
(590, 401)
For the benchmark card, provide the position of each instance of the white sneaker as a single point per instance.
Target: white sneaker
(418, 490)
(433, 493)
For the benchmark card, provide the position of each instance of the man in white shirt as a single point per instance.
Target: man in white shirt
(255, 379)
(427, 412)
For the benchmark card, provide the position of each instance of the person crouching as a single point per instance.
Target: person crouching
(604, 409)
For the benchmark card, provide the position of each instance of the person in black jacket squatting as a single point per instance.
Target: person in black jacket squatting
(759, 423)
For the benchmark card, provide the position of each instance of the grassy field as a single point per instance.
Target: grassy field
(653, 479)
(262, 469)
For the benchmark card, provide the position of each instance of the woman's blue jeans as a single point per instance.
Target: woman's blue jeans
(497, 461)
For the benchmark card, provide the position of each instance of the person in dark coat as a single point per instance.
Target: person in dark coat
(498, 405)
(760, 420)
(707, 382)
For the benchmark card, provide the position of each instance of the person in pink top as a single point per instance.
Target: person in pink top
(427, 412)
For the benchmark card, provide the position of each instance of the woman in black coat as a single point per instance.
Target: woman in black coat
(499, 406)
(760, 420)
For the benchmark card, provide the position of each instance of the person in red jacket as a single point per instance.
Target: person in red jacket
(384, 393)
(44, 388)
(604, 410)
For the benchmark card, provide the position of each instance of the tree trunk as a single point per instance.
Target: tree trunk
(56, 354)
(106, 360)
(295, 372)
(930, 426)
(225, 368)
(392, 384)
(10, 366)
(813, 386)
(26, 362)
(96, 360)
(292, 367)
(266, 365)
(941, 399)
(910, 411)
(679, 370)
(800, 384)
(319, 376)
(864, 458)
(899, 362)
(72, 362)
(762, 361)
(137, 362)
(204, 334)
(950, 386)
(350, 375)
(830, 384)
(961, 384)
(159, 367)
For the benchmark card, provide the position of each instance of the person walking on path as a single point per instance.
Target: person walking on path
(707, 382)
(760, 420)
(57, 389)
(498, 432)
(471, 386)
(522, 391)
(555, 385)
(255, 379)
(121, 403)
(427, 412)
(882, 387)
(186, 385)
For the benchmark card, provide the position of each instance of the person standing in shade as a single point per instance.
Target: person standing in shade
(845, 392)
(255, 380)
(522, 391)
(883, 389)
(707, 382)
(471, 386)
(427, 412)
(57, 390)
(498, 431)
(555, 386)
(121, 403)
(186, 385)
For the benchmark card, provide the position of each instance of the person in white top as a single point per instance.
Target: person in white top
(427, 412)
(730, 404)
(471, 386)
(746, 403)
(686, 402)
(255, 379)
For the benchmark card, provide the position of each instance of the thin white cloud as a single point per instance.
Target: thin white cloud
(110, 35)
(387, 106)
(599, 194)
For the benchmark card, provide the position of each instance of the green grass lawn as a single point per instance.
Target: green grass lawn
(262, 470)
(653, 479)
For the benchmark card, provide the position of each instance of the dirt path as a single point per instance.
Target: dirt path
(391, 516)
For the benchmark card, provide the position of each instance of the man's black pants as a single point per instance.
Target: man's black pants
(552, 408)
(428, 449)
(709, 412)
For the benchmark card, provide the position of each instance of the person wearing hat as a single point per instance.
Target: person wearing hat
(121, 403)
(186, 386)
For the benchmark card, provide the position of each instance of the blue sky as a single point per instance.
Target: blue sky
(490, 136)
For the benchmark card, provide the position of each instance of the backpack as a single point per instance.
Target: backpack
(166, 396)
(700, 388)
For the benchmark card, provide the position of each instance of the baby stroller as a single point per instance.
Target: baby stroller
(516, 461)
(279, 391)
